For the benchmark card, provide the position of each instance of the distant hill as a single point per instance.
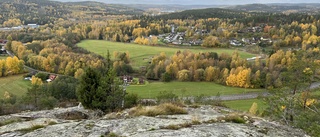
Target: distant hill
(46, 12)
(205, 13)
(114, 9)
(244, 14)
(282, 7)
(170, 7)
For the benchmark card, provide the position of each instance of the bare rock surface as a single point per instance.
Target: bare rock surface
(85, 123)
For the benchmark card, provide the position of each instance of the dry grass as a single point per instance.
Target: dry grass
(162, 109)
(10, 121)
(195, 120)
(235, 118)
(32, 128)
(183, 125)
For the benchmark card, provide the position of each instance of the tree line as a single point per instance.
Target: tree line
(231, 70)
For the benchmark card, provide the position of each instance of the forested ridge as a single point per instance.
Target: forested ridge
(47, 12)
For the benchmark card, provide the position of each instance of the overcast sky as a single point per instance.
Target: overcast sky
(200, 2)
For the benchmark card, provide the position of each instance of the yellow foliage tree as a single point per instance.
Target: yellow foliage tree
(13, 65)
(183, 75)
(232, 80)
(12, 23)
(243, 78)
(145, 41)
(240, 78)
(35, 81)
(2, 67)
(209, 73)
(211, 41)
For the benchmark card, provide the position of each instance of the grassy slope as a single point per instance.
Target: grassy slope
(244, 105)
(14, 84)
(141, 53)
(153, 89)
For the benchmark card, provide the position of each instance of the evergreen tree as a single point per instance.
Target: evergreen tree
(100, 89)
(87, 88)
(111, 91)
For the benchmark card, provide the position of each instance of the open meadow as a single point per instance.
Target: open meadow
(182, 89)
(14, 84)
(140, 54)
(244, 105)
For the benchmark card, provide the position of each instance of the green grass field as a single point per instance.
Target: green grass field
(244, 105)
(14, 84)
(3, 57)
(152, 90)
(140, 54)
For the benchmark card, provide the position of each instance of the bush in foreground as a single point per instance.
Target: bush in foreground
(162, 109)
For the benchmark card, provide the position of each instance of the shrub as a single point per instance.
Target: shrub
(130, 100)
(63, 88)
(165, 96)
(47, 103)
(42, 76)
(7, 108)
(235, 118)
(200, 99)
(166, 77)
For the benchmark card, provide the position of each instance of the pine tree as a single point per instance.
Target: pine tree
(87, 88)
(100, 89)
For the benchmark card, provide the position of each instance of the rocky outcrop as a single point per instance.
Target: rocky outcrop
(199, 122)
